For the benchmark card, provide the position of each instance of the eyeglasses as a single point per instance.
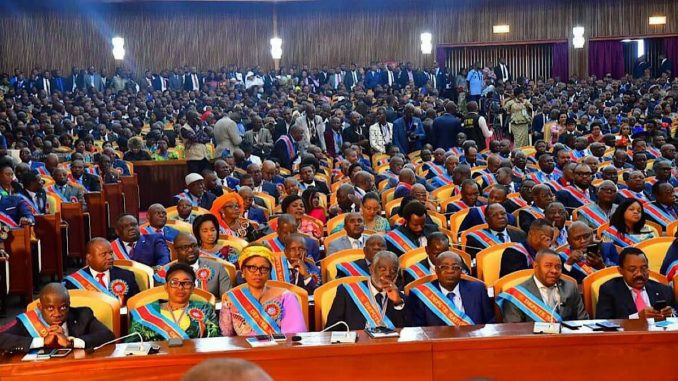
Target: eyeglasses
(453, 268)
(180, 284)
(192, 246)
(61, 308)
(263, 270)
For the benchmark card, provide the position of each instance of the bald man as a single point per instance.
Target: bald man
(157, 223)
(406, 180)
(54, 324)
(100, 275)
(449, 300)
(581, 257)
(374, 244)
(226, 369)
(551, 297)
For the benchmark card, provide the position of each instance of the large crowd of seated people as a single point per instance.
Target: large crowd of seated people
(406, 191)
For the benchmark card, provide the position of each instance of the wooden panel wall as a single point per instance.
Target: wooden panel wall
(325, 31)
(530, 60)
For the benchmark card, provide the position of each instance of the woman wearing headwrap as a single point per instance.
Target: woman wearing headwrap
(255, 308)
(228, 210)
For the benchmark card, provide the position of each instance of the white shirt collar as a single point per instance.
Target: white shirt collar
(446, 291)
(504, 232)
(374, 290)
(540, 285)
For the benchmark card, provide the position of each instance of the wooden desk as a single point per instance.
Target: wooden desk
(501, 352)
(159, 180)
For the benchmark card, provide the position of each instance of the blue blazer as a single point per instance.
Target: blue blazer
(473, 297)
(256, 214)
(475, 218)
(15, 207)
(571, 201)
(445, 130)
(270, 188)
(168, 232)
(400, 134)
(671, 256)
(151, 250)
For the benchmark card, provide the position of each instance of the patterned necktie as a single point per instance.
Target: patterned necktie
(450, 296)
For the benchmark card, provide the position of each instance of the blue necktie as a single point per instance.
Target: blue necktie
(450, 296)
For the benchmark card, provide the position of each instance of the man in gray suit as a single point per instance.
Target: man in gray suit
(313, 126)
(188, 251)
(545, 286)
(260, 138)
(65, 191)
(226, 134)
(176, 80)
(92, 79)
(354, 225)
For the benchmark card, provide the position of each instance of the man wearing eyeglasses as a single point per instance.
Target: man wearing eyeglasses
(634, 295)
(209, 274)
(54, 324)
(449, 300)
(580, 192)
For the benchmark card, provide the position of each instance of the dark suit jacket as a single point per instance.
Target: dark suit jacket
(329, 142)
(349, 134)
(572, 307)
(538, 125)
(280, 152)
(42, 200)
(671, 256)
(513, 260)
(116, 273)
(15, 207)
(475, 217)
(270, 188)
(362, 263)
(400, 135)
(473, 297)
(445, 130)
(473, 246)
(90, 182)
(151, 250)
(571, 201)
(666, 66)
(343, 309)
(205, 202)
(320, 186)
(497, 72)
(280, 129)
(256, 214)
(616, 302)
(81, 323)
(188, 82)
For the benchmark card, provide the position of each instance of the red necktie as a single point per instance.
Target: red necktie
(640, 303)
(100, 279)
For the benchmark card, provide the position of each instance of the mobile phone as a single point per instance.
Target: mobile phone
(279, 337)
(593, 249)
(43, 354)
(593, 326)
(570, 324)
(659, 305)
(58, 353)
(263, 337)
(608, 325)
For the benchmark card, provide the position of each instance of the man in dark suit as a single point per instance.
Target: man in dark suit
(33, 192)
(373, 244)
(542, 196)
(44, 83)
(412, 233)
(356, 132)
(74, 81)
(521, 255)
(477, 214)
(58, 82)
(286, 148)
(560, 299)
(497, 231)
(380, 290)
(634, 295)
(333, 137)
(195, 192)
(352, 77)
(157, 223)
(502, 71)
(150, 250)
(464, 302)
(446, 127)
(54, 324)
(580, 192)
(89, 182)
(192, 81)
(252, 210)
(408, 131)
(100, 274)
(663, 209)
(284, 124)
(665, 66)
(436, 243)
(308, 180)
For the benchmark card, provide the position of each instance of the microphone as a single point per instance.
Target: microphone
(118, 339)
(341, 337)
(132, 349)
(553, 311)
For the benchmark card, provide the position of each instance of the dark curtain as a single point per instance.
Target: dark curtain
(670, 45)
(441, 56)
(606, 57)
(630, 55)
(560, 61)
